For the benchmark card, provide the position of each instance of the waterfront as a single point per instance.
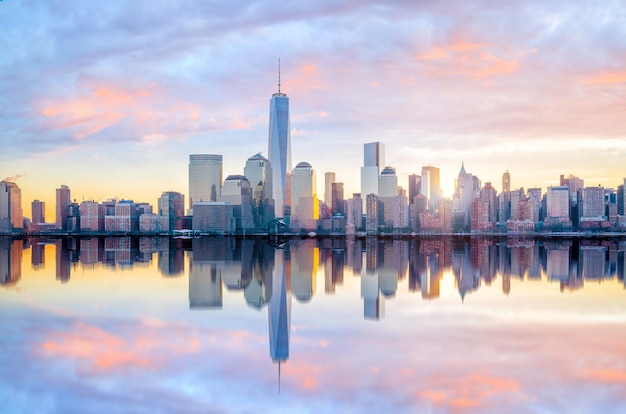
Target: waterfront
(208, 325)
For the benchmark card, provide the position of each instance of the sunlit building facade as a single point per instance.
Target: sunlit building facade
(373, 162)
(11, 215)
(304, 201)
(279, 152)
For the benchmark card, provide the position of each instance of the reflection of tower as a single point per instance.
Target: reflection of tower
(205, 273)
(259, 290)
(279, 309)
(467, 279)
(62, 260)
(38, 259)
(171, 258)
(305, 258)
(558, 263)
(373, 303)
(10, 261)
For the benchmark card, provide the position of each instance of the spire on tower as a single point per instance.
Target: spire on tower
(278, 75)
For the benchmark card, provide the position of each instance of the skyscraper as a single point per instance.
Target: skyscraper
(431, 186)
(329, 179)
(63, 202)
(506, 182)
(304, 202)
(11, 216)
(38, 209)
(259, 172)
(172, 206)
(205, 178)
(373, 162)
(279, 150)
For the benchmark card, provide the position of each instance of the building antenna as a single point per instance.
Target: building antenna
(278, 75)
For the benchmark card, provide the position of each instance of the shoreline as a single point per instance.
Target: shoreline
(287, 235)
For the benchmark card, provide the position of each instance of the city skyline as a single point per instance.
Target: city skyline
(530, 88)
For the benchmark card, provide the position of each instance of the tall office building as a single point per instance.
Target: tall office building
(506, 182)
(237, 192)
(433, 184)
(373, 162)
(329, 179)
(38, 210)
(11, 216)
(258, 171)
(63, 203)
(205, 178)
(354, 214)
(557, 202)
(593, 203)
(279, 151)
(172, 206)
(91, 216)
(337, 199)
(304, 202)
(414, 186)
(387, 190)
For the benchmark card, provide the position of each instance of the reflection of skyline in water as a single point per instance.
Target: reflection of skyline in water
(440, 346)
(247, 265)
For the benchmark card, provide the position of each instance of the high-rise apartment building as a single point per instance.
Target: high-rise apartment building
(373, 162)
(63, 202)
(38, 212)
(593, 203)
(11, 216)
(91, 216)
(279, 151)
(205, 178)
(557, 202)
(371, 214)
(354, 214)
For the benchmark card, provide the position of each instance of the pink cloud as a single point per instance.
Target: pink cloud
(608, 77)
(466, 59)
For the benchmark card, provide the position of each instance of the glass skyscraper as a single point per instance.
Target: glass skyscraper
(205, 178)
(373, 163)
(279, 151)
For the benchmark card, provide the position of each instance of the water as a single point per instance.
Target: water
(436, 325)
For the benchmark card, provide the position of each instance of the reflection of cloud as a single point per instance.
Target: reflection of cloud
(97, 350)
(607, 375)
(470, 391)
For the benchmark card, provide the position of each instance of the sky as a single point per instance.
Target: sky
(110, 98)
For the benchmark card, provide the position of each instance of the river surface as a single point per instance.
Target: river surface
(435, 325)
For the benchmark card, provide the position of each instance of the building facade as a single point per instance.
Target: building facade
(205, 178)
